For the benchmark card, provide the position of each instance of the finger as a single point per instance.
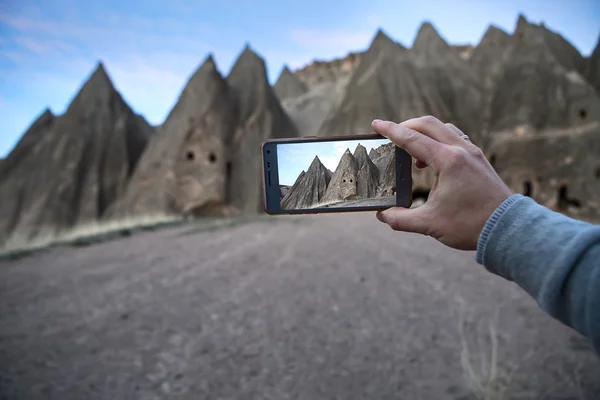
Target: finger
(459, 133)
(420, 164)
(419, 146)
(454, 128)
(406, 219)
(432, 127)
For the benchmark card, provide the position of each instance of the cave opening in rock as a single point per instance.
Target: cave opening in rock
(228, 181)
(582, 113)
(493, 160)
(564, 201)
(190, 155)
(212, 157)
(597, 173)
(527, 189)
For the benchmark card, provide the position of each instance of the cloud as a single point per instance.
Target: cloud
(44, 46)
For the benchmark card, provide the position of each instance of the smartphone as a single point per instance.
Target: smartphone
(312, 175)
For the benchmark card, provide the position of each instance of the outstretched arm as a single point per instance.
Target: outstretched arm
(554, 258)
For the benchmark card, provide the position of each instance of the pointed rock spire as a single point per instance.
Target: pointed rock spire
(428, 39)
(247, 60)
(184, 167)
(343, 182)
(30, 139)
(97, 89)
(367, 179)
(494, 36)
(522, 23)
(259, 116)
(288, 85)
(381, 41)
(373, 154)
(309, 189)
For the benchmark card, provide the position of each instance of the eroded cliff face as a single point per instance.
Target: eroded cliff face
(319, 72)
(528, 98)
(519, 85)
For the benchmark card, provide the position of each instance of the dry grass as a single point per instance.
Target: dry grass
(18, 246)
(483, 377)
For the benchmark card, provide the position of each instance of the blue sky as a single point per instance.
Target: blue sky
(150, 48)
(293, 158)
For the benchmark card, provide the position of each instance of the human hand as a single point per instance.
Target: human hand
(466, 189)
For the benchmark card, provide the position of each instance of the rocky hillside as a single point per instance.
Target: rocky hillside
(508, 91)
(68, 170)
(528, 89)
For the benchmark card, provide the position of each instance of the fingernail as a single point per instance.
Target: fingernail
(380, 216)
(376, 121)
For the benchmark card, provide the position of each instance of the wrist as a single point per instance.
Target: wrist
(490, 224)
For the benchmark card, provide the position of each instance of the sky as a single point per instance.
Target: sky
(150, 48)
(293, 158)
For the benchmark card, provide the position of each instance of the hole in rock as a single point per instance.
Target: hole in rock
(564, 201)
(527, 189)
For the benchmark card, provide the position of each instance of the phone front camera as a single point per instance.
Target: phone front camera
(268, 151)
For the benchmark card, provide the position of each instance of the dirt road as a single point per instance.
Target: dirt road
(308, 307)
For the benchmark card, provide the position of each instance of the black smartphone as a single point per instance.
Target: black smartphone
(312, 175)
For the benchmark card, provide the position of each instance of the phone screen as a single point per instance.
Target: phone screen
(337, 174)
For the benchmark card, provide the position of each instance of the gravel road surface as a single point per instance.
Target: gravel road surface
(307, 307)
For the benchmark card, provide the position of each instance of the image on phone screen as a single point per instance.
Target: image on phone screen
(337, 174)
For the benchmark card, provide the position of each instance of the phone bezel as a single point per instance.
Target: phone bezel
(270, 171)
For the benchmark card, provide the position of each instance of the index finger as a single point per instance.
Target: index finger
(416, 144)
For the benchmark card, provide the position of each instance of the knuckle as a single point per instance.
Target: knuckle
(411, 136)
(429, 120)
(457, 157)
(476, 152)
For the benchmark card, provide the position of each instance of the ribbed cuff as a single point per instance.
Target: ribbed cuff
(491, 222)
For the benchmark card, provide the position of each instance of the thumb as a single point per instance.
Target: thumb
(413, 220)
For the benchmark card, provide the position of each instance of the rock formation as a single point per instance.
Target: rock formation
(325, 82)
(592, 72)
(343, 182)
(309, 188)
(540, 88)
(184, 169)
(28, 143)
(561, 50)
(260, 116)
(323, 72)
(465, 51)
(373, 154)
(452, 77)
(387, 85)
(487, 58)
(288, 85)
(367, 180)
(386, 164)
(529, 87)
(68, 170)
(564, 174)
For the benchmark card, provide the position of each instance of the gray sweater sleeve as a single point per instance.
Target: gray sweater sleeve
(554, 258)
